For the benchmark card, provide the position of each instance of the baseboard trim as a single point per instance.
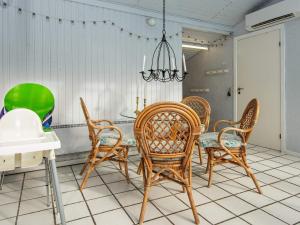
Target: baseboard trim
(293, 153)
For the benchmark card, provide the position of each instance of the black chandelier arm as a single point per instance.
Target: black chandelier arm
(165, 73)
(174, 55)
(154, 54)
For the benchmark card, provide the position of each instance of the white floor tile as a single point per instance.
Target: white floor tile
(294, 180)
(214, 213)
(295, 165)
(256, 199)
(115, 217)
(10, 221)
(160, 221)
(8, 210)
(35, 174)
(44, 217)
(100, 205)
(233, 187)
(169, 205)
(12, 186)
(235, 205)
(92, 181)
(158, 192)
(259, 167)
(274, 193)
(69, 186)
(95, 192)
(216, 178)
(259, 217)
(83, 221)
(235, 221)
(278, 174)
(185, 218)
(120, 186)
(287, 187)
(271, 163)
(35, 192)
(283, 212)
(281, 160)
(113, 177)
(130, 197)
(172, 187)
(9, 197)
(35, 182)
(33, 205)
(76, 211)
(198, 198)
(267, 179)
(72, 197)
(213, 192)
(290, 170)
(135, 210)
(293, 202)
(230, 174)
(248, 182)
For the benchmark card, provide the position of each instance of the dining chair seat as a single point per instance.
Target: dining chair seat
(210, 140)
(110, 139)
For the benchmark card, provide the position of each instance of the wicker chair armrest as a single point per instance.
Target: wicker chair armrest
(109, 122)
(238, 130)
(100, 130)
(230, 122)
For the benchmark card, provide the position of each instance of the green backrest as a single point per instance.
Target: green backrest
(32, 96)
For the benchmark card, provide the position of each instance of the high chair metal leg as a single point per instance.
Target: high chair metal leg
(2, 179)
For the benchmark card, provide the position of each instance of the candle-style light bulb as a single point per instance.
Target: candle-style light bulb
(173, 63)
(144, 63)
(184, 63)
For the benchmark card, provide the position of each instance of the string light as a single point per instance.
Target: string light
(84, 22)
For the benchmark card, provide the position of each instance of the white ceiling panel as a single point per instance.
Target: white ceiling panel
(224, 12)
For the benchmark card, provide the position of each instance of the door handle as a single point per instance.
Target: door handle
(239, 90)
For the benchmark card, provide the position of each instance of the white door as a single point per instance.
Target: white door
(258, 64)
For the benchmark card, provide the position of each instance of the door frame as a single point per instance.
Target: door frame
(281, 29)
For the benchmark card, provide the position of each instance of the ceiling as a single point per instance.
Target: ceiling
(223, 12)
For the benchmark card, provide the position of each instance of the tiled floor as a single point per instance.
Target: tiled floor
(109, 200)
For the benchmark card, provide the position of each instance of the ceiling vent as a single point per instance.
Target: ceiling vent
(272, 15)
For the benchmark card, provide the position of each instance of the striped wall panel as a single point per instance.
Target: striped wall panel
(98, 62)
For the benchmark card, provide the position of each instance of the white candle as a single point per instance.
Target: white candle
(173, 63)
(144, 63)
(137, 89)
(145, 91)
(184, 64)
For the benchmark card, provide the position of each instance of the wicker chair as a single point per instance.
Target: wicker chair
(229, 145)
(203, 110)
(107, 144)
(166, 134)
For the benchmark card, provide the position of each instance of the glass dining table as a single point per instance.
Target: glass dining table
(129, 114)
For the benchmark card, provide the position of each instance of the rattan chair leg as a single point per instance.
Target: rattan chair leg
(88, 173)
(211, 166)
(183, 186)
(244, 160)
(200, 154)
(85, 166)
(139, 170)
(126, 171)
(255, 182)
(207, 164)
(192, 202)
(146, 193)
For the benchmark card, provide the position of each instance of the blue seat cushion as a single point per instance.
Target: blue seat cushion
(110, 139)
(210, 140)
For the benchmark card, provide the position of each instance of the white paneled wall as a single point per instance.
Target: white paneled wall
(98, 62)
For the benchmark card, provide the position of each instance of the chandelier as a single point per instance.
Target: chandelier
(163, 64)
